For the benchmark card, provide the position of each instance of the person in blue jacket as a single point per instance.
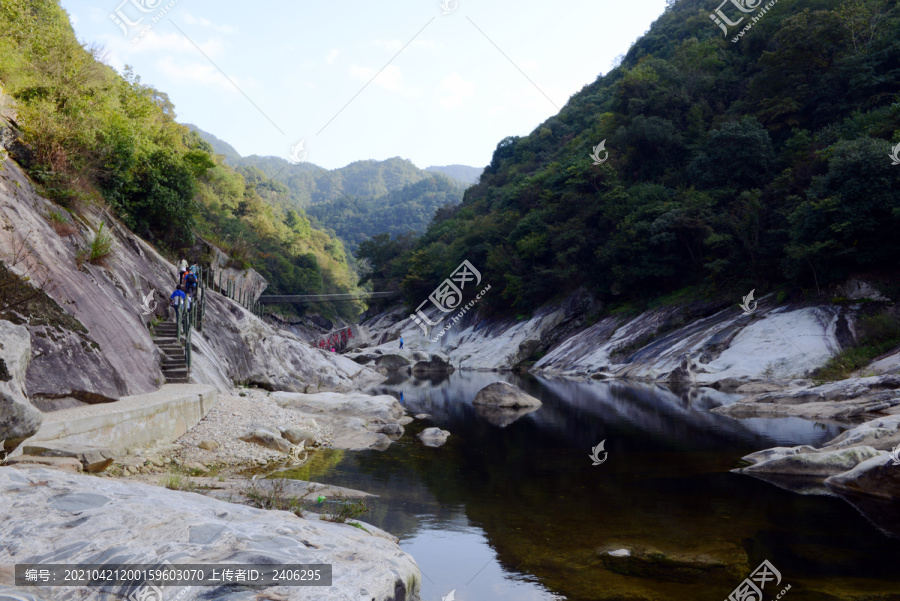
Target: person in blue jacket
(401, 342)
(177, 299)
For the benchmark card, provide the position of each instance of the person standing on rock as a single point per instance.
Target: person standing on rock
(401, 342)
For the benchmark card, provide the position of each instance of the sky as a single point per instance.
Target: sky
(437, 82)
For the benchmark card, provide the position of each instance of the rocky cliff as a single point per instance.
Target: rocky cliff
(700, 343)
(86, 321)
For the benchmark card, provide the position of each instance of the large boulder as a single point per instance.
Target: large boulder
(392, 362)
(18, 418)
(826, 463)
(298, 436)
(436, 364)
(878, 476)
(75, 519)
(503, 394)
(266, 439)
(433, 437)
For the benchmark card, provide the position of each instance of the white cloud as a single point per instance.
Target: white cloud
(458, 90)
(198, 73)
(390, 79)
(392, 45)
(332, 54)
(203, 22)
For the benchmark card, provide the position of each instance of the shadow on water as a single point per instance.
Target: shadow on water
(512, 507)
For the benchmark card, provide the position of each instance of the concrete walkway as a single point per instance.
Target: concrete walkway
(131, 422)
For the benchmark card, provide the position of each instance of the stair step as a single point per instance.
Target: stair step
(176, 373)
(178, 380)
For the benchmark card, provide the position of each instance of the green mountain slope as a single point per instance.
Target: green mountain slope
(743, 164)
(90, 135)
(359, 201)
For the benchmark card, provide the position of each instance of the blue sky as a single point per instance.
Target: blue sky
(462, 82)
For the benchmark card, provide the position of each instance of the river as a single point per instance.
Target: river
(513, 507)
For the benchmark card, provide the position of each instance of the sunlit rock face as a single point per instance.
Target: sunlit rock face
(53, 516)
(89, 325)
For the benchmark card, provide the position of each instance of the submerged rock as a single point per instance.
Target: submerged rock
(502, 416)
(504, 394)
(712, 560)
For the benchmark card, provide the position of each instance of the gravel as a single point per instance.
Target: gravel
(232, 416)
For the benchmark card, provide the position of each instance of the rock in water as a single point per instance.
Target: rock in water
(18, 419)
(876, 477)
(503, 394)
(826, 463)
(433, 437)
(267, 439)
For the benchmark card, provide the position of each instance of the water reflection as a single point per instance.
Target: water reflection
(515, 510)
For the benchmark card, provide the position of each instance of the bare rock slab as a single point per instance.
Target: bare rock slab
(503, 394)
(826, 463)
(138, 523)
(93, 459)
(68, 464)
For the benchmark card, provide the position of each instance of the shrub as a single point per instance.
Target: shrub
(348, 510)
(101, 246)
(876, 334)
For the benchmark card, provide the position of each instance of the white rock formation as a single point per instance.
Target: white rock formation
(51, 516)
(505, 395)
(357, 420)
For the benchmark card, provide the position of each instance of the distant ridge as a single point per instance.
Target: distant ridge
(463, 173)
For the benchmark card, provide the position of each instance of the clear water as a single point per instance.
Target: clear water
(517, 511)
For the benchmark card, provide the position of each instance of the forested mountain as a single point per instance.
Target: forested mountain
(356, 202)
(739, 161)
(91, 136)
(463, 173)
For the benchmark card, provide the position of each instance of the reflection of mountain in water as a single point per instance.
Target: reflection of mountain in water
(529, 491)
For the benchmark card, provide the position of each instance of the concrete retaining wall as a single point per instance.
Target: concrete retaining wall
(132, 422)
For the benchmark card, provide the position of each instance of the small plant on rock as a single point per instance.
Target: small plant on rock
(348, 509)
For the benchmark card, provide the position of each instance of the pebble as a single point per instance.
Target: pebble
(232, 416)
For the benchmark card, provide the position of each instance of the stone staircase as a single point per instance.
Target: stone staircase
(174, 364)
